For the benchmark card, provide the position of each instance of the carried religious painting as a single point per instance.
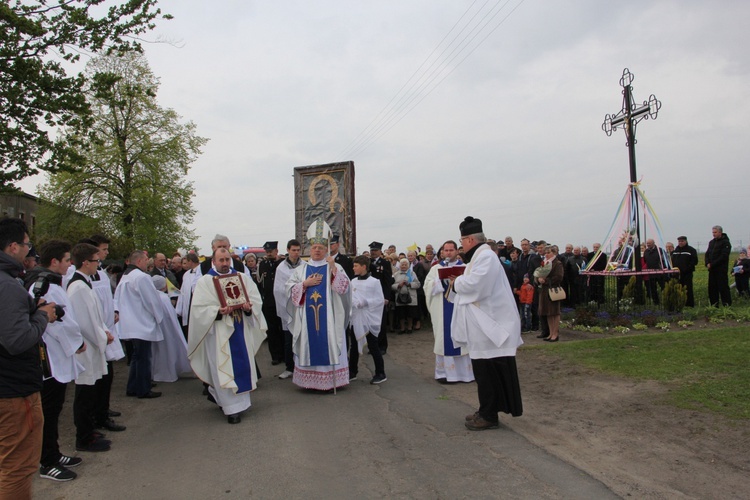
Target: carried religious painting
(231, 290)
(326, 191)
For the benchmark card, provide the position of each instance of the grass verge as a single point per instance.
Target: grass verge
(708, 370)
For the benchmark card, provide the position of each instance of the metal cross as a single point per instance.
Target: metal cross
(629, 116)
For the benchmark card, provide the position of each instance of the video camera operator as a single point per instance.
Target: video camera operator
(20, 369)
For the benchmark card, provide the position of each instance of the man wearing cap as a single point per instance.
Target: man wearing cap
(343, 260)
(266, 278)
(380, 269)
(486, 323)
(685, 258)
(318, 290)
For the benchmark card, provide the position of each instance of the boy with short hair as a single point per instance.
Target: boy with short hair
(367, 308)
(526, 298)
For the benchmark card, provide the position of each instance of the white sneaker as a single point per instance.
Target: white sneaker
(285, 374)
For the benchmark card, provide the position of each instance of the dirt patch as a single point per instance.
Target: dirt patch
(620, 431)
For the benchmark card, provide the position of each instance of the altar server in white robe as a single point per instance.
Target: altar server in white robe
(102, 286)
(168, 357)
(222, 343)
(367, 313)
(486, 321)
(283, 272)
(186, 291)
(62, 340)
(452, 363)
(141, 312)
(88, 314)
(320, 302)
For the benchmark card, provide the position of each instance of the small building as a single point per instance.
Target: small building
(21, 205)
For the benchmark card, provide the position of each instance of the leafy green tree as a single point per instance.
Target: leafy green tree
(137, 156)
(38, 39)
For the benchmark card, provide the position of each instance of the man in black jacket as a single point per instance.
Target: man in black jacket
(717, 262)
(266, 278)
(685, 258)
(380, 269)
(23, 323)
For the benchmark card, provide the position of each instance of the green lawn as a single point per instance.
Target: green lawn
(708, 370)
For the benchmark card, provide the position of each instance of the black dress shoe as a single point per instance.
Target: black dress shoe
(542, 336)
(113, 413)
(552, 340)
(276, 362)
(111, 425)
(234, 419)
(150, 395)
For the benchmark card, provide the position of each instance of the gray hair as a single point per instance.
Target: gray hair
(719, 228)
(219, 237)
(480, 237)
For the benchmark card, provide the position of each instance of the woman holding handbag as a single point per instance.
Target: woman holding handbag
(549, 303)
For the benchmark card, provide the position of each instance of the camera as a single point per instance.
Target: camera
(40, 289)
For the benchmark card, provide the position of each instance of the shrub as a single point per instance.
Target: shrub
(639, 326)
(674, 296)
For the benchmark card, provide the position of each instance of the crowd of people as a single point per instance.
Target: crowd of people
(67, 319)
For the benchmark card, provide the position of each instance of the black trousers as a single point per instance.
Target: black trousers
(275, 335)
(103, 390)
(383, 337)
(372, 345)
(498, 387)
(718, 287)
(83, 412)
(686, 280)
(53, 398)
(288, 350)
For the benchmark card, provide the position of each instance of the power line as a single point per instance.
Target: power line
(410, 95)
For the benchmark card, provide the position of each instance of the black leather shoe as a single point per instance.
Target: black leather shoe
(150, 395)
(113, 413)
(234, 419)
(111, 425)
(94, 445)
(542, 336)
(551, 340)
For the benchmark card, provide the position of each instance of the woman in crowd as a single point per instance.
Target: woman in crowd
(741, 271)
(550, 310)
(251, 262)
(405, 285)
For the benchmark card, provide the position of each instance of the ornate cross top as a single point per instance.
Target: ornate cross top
(629, 116)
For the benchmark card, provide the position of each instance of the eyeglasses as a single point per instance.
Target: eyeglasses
(27, 243)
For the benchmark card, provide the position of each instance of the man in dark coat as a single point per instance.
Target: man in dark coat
(380, 269)
(717, 262)
(685, 258)
(528, 261)
(266, 277)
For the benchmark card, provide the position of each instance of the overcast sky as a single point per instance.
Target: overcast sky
(512, 135)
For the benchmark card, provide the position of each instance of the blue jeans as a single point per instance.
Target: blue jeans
(525, 317)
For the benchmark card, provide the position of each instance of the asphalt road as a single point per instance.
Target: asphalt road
(404, 438)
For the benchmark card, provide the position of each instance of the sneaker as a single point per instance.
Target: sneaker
(285, 374)
(480, 424)
(57, 473)
(67, 461)
(378, 379)
(352, 378)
